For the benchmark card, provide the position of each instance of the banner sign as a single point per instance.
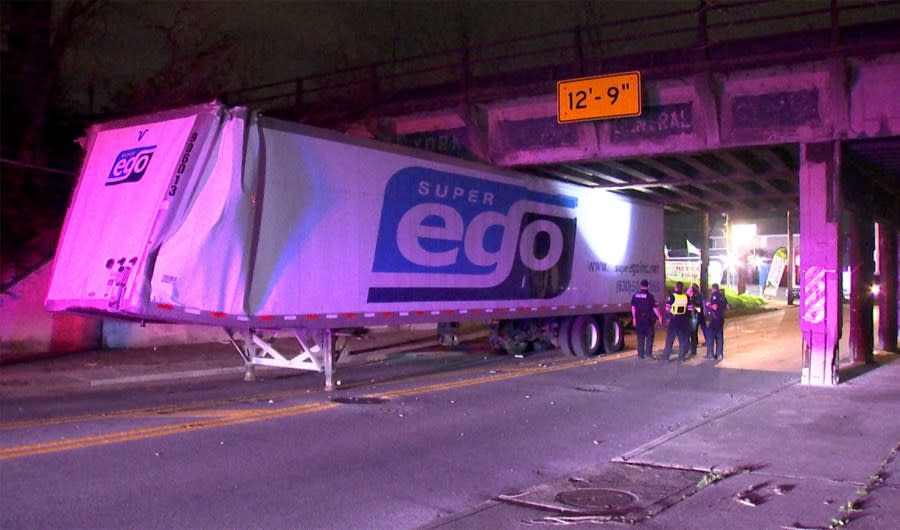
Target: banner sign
(776, 271)
(685, 271)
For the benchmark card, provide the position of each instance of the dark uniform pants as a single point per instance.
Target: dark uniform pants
(645, 334)
(679, 326)
(715, 339)
(698, 322)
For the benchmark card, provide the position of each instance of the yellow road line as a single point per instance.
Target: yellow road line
(226, 418)
(160, 411)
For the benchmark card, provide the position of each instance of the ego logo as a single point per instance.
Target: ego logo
(130, 165)
(444, 236)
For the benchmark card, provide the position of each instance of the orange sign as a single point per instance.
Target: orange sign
(600, 97)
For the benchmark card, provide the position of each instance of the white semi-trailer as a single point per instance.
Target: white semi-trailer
(220, 216)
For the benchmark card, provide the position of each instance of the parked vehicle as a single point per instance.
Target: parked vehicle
(219, 216)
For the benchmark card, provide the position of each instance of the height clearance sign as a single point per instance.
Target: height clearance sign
(599, 97)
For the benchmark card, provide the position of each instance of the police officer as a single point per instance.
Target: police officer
(679, 322)
(643, 308)
(698, 320)
(715, 308)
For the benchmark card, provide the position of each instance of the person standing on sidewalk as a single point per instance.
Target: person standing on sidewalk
(698, 321)
(679, 323)
(716, 307)
(643, 309)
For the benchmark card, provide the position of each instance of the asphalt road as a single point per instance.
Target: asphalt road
(405, 442)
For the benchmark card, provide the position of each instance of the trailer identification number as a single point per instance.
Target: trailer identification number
(182, 164)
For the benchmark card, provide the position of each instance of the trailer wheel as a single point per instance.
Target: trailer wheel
(584, 336)
(613, 334)
(562, 336)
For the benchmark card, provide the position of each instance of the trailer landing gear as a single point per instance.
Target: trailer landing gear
(319, 351)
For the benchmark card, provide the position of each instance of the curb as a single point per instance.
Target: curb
(148, 378)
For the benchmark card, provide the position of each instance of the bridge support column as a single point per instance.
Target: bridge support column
(888, 236)
(704, 256)
(862, 268)
(791, 257)
(820, 312)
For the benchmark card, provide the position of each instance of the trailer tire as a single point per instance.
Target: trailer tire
(562, 336)
(613, 334)
(584, 336)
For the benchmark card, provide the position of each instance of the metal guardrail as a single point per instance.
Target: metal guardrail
(688, 35)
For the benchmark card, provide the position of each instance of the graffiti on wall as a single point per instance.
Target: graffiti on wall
(451, 142)
(654, 123)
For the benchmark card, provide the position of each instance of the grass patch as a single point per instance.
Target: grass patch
(710, 478)
(745, 304)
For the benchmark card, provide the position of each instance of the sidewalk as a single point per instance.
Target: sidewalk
(798, 458)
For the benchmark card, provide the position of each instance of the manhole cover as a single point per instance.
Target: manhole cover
(597, 498)
(360, 400)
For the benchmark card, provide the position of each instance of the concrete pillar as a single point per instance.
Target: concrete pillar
(704, 255)
(888, 248)
(789, 269)
(820, 278)
(862, 268)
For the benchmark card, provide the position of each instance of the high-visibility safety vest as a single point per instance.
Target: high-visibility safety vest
(679, 305)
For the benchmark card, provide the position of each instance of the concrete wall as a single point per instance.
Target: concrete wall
(119, 334)
(27, 331)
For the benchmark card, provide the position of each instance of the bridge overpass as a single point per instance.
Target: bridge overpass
(739, 115)
(748, 107)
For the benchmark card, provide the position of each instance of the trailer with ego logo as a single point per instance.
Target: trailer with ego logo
(219, 216)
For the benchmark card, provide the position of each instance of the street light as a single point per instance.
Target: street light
(743, 236)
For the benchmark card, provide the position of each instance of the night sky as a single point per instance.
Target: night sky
(131, 57)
